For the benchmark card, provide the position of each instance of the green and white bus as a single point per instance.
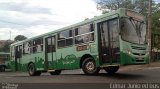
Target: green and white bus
(103, 42)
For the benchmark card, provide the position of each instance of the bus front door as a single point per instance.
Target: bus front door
(109, 41)
(18, 57)
(50, 53)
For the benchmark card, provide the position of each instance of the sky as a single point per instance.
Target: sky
(34, 17)
(158, 1)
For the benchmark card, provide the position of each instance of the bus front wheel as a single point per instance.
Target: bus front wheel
(111, 69)
(89, 67)
(56, 72)
(32, 70)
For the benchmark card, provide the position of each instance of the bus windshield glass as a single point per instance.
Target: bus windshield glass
(133, 31)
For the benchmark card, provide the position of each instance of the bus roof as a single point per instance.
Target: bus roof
(74, 25)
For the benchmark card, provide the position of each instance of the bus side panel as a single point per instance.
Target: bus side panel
(69, 58)
(12, 65)
(66, 58)
(36, 58)
(39, 61)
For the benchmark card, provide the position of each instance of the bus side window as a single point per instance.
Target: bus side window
(51, 45)
(34, 46)
(27, 48)
(38, 45)
(19, 51)
(84, 34)
(65, 38)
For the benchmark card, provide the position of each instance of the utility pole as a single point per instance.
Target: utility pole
(149, 28)
(10, 35)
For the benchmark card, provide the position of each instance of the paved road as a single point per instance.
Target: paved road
(75, 79)
(147, 75)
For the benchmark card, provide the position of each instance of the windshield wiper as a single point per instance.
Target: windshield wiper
(136, 27)
(140, 28)
(133, 23)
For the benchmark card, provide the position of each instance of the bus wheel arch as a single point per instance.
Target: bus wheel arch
(29, 64)
(83, 58)
(88, 65)
(32, 70)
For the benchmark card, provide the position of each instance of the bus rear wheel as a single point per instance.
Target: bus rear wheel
(89, 67)
(111, 69)
(56, 72)
(32, 70)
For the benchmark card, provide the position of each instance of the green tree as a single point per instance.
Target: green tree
(20, 38)
(107, 5)
(156, 30)
(156, 22)
(140, 6)
(6, 47)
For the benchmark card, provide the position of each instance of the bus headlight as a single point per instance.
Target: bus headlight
(128, 52)
(147, 53)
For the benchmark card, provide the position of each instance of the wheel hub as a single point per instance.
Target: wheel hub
(90, 66)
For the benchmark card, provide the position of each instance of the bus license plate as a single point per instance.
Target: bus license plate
(140, 58)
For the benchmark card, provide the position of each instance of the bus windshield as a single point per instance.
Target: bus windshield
(133, 31)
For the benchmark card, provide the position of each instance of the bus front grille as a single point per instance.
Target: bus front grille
(139, 54)
(138, 48)
(139, 59)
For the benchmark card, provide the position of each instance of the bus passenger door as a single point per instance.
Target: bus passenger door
(50, 53)
(114, 40)
(18, 57)
(109, 41)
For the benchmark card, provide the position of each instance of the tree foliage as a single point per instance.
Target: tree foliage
(107, 5)
(20, 38)
(156, 22)
(6, 47)
(156, 30)
(140, 6)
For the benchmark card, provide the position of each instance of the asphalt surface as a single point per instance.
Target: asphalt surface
(77, 76)
(73, 77)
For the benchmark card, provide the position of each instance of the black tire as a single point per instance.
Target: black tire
(2, 68)
(56, 72)
(111, 69)
(32, 70)
(89, 66)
